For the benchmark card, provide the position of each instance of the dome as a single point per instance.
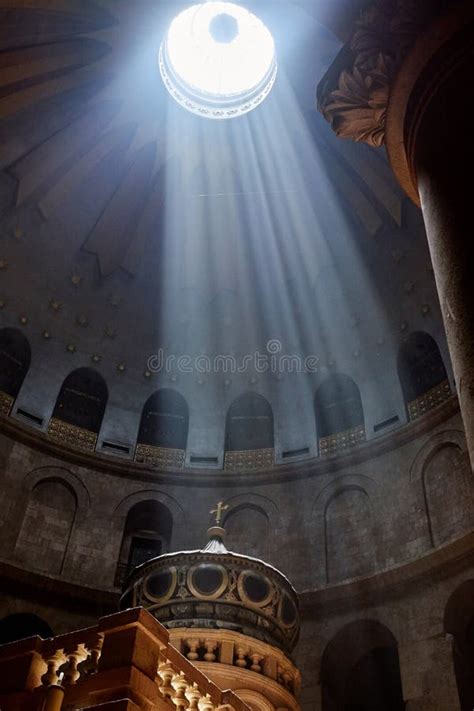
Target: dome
(214, 588)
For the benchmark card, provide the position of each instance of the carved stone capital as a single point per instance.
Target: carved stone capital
(353, 95)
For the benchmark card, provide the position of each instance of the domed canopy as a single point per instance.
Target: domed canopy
(216, 588)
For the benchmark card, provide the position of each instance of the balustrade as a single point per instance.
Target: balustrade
(127, 658)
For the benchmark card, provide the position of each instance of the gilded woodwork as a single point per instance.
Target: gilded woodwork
(160, 456)
(341, 441)
(249, 459)
(434, 397)
(72, 435)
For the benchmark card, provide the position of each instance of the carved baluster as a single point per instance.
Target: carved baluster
(53, 662)
(71, 672)
(193, 695)
(180, 686)
(210, 646)
(91, 665)
(240, 661)
(193, 645)
(166, 673)
(205, 703)
(256, 666)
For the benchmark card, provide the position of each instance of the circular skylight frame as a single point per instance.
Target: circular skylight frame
(191, 94)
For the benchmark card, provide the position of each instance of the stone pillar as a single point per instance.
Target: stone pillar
(404, 79)
(428, 678)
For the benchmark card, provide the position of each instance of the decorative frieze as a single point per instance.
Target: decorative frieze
(72, 435)
(249, 459)
(160, 457)
(338, 442)
(6, 403)
(423, 404)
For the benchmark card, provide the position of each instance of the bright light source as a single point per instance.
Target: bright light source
(218, 60)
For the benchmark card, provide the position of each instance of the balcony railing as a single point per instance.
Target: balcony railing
(125, 663)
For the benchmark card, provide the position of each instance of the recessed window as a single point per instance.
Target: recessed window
(218, 60)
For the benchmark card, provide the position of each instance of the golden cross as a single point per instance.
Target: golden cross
(218, 511)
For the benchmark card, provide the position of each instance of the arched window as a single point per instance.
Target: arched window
(459, 622)
(360, 670)
(147, 534)
(15, 358)
(23, 625)
(47, 526)
(249, 428)
(163, 432)
(338, 413)
(81, 403)
(422, 373)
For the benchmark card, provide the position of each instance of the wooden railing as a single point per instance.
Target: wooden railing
(125, 663)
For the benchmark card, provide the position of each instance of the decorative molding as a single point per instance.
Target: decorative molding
(341, 441)
(354, 93)
(249, 459)
(307, 468)
(160, 456)
(434, 397)
(72, 435)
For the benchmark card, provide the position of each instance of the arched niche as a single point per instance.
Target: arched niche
(349, 535)
(147, 534)
(459, 622)
(163, 432)
(15, 359)
(47, 526)
(360, 670)
(247, 529)
(81, 403)
(338, 413)
(23, 625)
(447, 493)
(422, 374)
(249, 429)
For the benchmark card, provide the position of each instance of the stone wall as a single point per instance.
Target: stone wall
(371, 515)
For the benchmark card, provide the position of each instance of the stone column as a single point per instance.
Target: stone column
(428, 677)
(405, 79)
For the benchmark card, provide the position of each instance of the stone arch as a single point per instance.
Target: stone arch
(459, 622)
(75, 483)
(267, 505)
(360, 669)
(420, 368)
(337, 409)
(47, 525)
(165, 420)
(21, 625)
(147, 534)
(247, 526)
(15, 359)
(249, 424)
(82, 400)
(440, 472)
(161, 497)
